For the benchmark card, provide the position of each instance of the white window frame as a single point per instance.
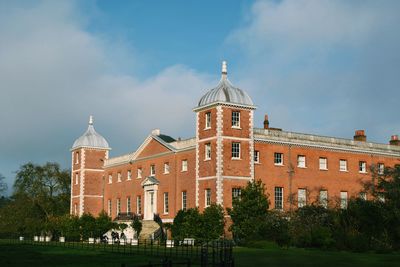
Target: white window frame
(235, 151)
(184, 200)
(110, 179)
(166, 203)
(75, 209)
(278, 198)
(323, 198)
(256, 156)
(128, 205)
(139, 172)
(236, 192)
(301, 161)
(208, 120)
(109, 206)
(184, 165)
(138, 204)
(118, 206)
(343, 199)
(362, 166)
(207, 197)
(323, 163)
(363, 195)
(207, 151)
(166, 167)
(76, 178)
(235, 119)
(278, 159)
(301, 197)
(381, 168)
(152, 170)
(76, 157)
(343, 165)
(129, 175)
(119, 177)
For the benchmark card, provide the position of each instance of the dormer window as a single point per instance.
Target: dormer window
(235, 119)
(208, 120)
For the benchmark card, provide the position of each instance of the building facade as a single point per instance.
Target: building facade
(165, 175)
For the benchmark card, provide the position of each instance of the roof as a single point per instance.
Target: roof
(91, 138)
(225, 92)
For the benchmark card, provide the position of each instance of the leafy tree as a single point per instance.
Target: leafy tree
(87, 225)
(187, 224)
(3, 185)
(276, 228)
(137, 225)
(103, 224)
(213, 222)
(249, 211)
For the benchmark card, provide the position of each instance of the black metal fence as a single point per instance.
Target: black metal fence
(176, 252)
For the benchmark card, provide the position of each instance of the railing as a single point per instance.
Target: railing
(205, 253)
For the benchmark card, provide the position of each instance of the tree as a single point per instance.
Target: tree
(249, 211)
(187, 223)
(213, 222)
(3, 185)
(103, 224)
(87, 225)
(137, 225)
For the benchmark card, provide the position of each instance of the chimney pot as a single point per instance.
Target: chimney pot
(266, 122)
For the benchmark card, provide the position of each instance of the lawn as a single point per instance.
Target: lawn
(14, 255)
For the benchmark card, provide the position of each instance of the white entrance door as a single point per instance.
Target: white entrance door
(150, 204)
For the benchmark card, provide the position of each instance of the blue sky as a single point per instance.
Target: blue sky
(315, 66)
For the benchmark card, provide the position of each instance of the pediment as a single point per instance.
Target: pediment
(149, 181)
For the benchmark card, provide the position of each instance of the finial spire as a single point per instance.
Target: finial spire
(90, 120)
(224, 69)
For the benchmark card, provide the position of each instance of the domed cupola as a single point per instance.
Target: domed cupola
(226, 93)
(91, 139)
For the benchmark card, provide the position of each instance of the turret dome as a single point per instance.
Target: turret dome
(91, 138)
(225, 92)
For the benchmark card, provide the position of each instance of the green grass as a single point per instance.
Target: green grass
(15, 255)
(271, 255)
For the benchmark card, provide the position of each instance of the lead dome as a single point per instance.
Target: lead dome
(225, 92)
(91, 138)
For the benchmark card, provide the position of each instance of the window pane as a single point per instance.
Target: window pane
(278, 158)
(235, 119)
(278, 198)
(301, 198)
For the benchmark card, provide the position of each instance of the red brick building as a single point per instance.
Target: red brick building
(165, 175)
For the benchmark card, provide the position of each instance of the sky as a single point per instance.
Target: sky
(314, 66)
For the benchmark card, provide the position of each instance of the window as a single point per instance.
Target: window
(362, 167)
(129, 175)
(343, 165)
(236, 192)
(128, 204)
(363, 195)
(256, 156)
(301, 197)
(323, 163)
(184, 165)
(109, 207)
(323, 198)
(278, 198)
(138, 205)
(110, 178)
(75, 209)
(381, 168)
(76, 178)
(343, 200)
(152, 170)
(301, 161)
(235, 150)
(119, 177)
(77, 158)
(278, 158)
(166, 203)
(207, 151)
(235, 119)
(184, 200)
(208, 197)
(166, 167)
(208, 120)
(118, 206)
(139, 173)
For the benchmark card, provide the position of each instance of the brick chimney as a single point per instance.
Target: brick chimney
(360, 136)
(266, 122)
(394, 140)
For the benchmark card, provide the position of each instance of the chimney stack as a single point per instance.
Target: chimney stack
(266, 122)
(394, 140)
(360, 136)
